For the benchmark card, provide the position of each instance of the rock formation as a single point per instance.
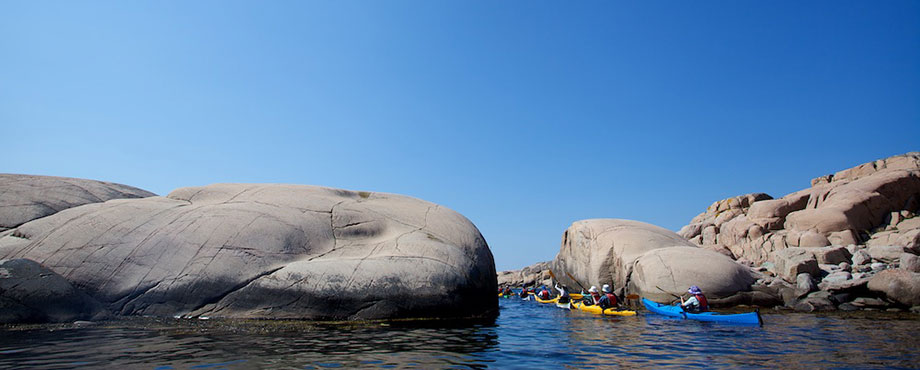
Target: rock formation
(841, 231)
(267, 251)
(872, 204)
(31, 293)
(639, 258)
(26, 197)
(533, 275)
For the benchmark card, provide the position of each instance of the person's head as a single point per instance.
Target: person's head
(694, 290)
(593, 289)
(606, 288)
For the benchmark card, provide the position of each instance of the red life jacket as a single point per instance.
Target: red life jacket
(704, 304)
(596, 296)
(544, 294)
(612, 298)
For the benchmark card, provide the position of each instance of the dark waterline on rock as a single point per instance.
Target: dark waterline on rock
(525, 335)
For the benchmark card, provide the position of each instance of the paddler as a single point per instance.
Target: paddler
(697, 301)
(544, 293)
(595, 296)
(607, 300)
(524, 292)
(563, 293)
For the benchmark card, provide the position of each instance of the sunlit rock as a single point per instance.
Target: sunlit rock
(268, 251)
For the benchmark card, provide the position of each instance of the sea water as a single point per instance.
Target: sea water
(526, 335)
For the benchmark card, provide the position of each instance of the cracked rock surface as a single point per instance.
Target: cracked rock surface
(267, 251)
(24, 198)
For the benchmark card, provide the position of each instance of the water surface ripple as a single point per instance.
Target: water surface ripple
(526, 335)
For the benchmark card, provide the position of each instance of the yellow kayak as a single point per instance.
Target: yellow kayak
(577, 296)
(597, 310)
(554, 300)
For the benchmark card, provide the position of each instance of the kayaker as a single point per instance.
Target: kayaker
(507, 291)
(595, 296)
(524, 292)
(544, 293)
(697, 301)
(607, 300)
(563, 293)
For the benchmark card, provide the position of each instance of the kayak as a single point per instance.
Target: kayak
(554, 300)
(507, 295)
(751, 318)
(597, 310)
(577, 296)
(566, 305)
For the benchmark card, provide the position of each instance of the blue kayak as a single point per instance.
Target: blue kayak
(751, 318)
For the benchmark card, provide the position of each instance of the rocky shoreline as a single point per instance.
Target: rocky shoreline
(849, 242)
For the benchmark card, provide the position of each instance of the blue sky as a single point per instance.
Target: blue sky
(522, 115)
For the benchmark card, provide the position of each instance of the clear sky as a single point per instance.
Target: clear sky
(524, 116)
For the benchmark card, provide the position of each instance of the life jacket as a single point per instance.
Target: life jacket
(544, 294)
(596, 296)
(523, 293)
(612, 298)
(704, 304)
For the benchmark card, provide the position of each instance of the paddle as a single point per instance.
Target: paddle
(675, 295)
(576, 281)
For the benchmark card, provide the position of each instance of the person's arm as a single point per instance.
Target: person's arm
(690, 302)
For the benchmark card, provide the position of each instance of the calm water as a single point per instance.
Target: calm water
(526, 335)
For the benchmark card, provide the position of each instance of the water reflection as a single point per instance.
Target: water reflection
(525, 335)
(165, 345)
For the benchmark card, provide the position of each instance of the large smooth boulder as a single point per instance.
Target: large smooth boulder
(28, 197)
(901, 286)
(602, 251)
(660, 274)
(30, 293)
(269, 251)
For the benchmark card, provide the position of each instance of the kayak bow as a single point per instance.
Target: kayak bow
(749, 318)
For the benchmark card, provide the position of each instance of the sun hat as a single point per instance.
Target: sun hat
(694, 290)
(593, 289)
(606, 288)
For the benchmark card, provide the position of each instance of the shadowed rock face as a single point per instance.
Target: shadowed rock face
(268, 251)
(24, 198)
(639, 256)
(32, 293)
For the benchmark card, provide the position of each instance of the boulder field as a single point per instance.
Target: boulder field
(850, 241)
(266, 251)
